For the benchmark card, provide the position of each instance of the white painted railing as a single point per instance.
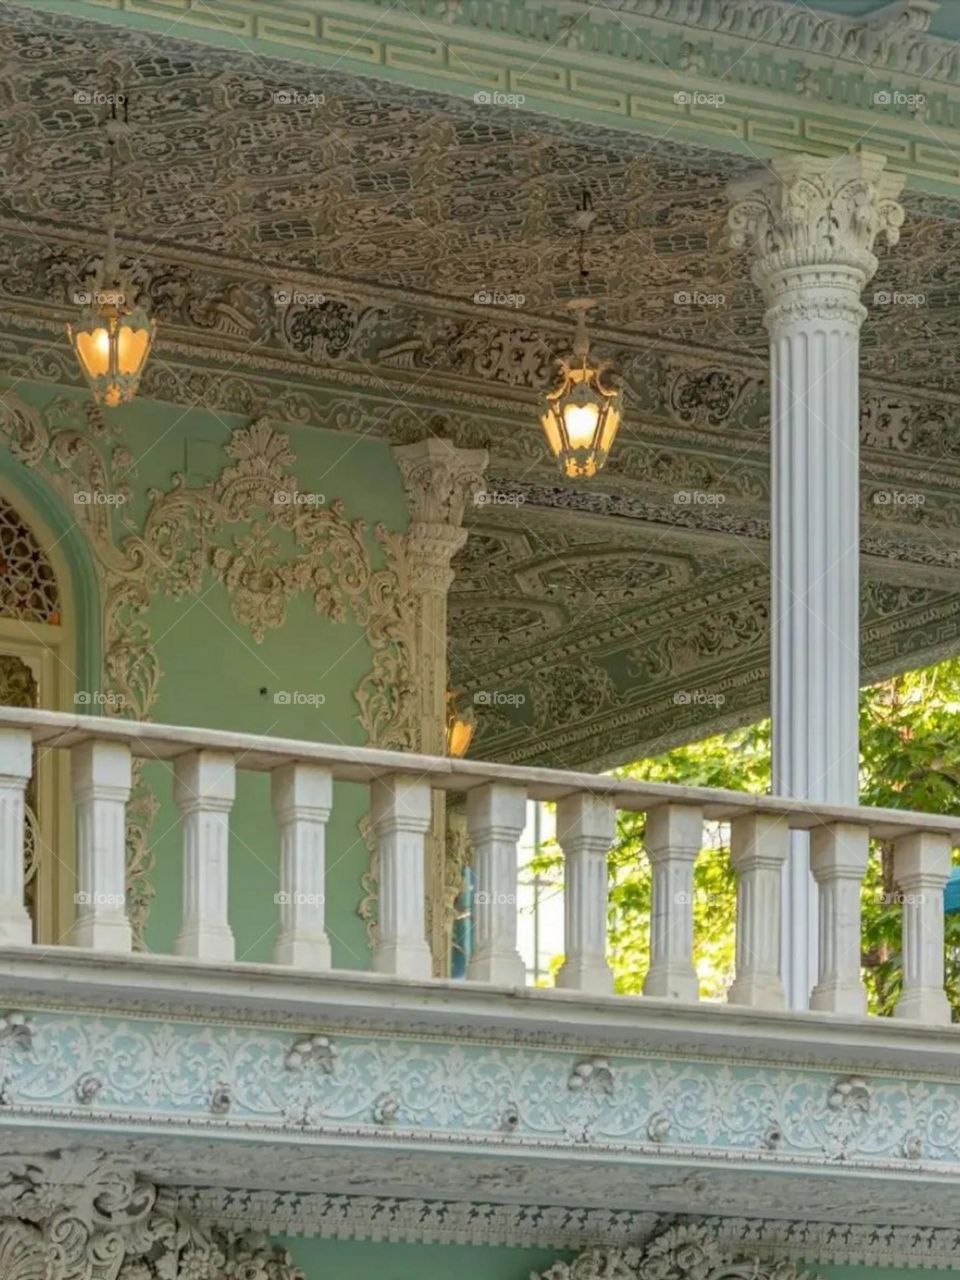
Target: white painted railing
(204, 767)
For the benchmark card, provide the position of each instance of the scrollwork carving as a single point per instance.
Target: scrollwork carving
(681, 1253)
(82, 1215)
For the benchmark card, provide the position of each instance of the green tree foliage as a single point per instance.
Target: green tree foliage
(910, 759)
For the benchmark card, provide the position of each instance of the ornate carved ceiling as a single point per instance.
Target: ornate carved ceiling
(319, 247)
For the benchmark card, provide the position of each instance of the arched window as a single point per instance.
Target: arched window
(35, 672)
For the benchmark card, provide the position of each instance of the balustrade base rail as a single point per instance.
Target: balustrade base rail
(204, 764)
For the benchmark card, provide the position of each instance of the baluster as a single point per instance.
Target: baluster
(921, 865)
(204, 788)
(674, 836)
(496, 816)
(401, 810)
(759, 845)
(101, 774)
(838, 860)
(586, 825)
(302, 799)
(16, 766)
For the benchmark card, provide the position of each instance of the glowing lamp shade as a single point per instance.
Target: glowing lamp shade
(460, 728)
(112, 345)
(580, 419)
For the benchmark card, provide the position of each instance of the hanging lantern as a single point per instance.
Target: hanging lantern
(461, 725)
(113, 336)
(582, 413)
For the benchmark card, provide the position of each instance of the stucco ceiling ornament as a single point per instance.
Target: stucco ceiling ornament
(680, 1253)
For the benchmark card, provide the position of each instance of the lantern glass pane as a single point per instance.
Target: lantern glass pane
(132, 348)
(93, 351)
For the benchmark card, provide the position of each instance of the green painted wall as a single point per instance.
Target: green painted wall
(215, 674)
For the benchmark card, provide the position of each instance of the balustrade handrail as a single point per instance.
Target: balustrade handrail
(260, 753)
(204, 765)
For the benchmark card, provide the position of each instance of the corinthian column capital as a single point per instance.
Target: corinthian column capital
(811, 224)
(439, 480)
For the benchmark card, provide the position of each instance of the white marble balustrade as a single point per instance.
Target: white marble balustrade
(204, 765)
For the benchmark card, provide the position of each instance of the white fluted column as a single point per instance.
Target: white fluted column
(758, 852)
(16, 766)
(496, 816)
(204, 787)
(400, 809)
(921, 865)
(102, 777)
(586, 825)
(838, 859)
(302, 798)
(811, 223)
(673, 839)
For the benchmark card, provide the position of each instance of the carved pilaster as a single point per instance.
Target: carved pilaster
(810, 224)
(439, 480)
